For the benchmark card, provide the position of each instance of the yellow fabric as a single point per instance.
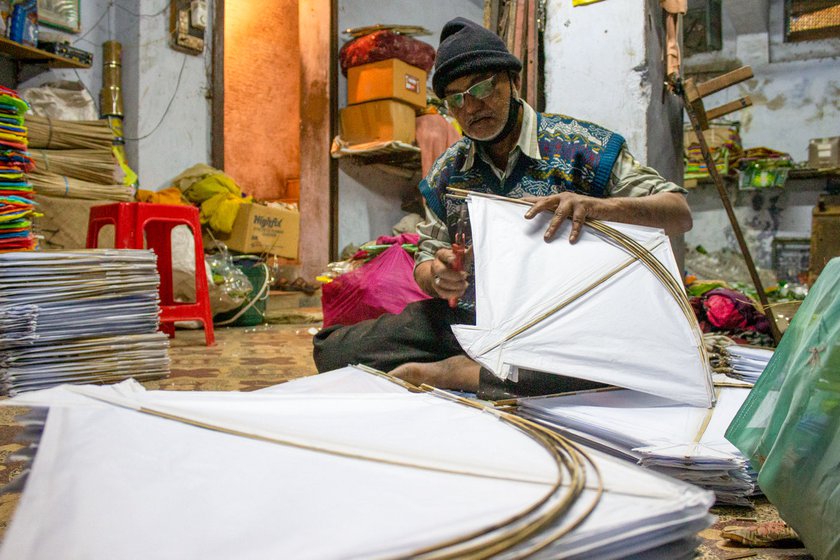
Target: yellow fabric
(171, 196)
(218, 195)
(130, 177)
(583, 2)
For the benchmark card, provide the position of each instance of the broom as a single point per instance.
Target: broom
(53, 184)
(45, 132)
(96, 166)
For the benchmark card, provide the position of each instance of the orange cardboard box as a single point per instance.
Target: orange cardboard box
(387, 79)
(377, 121)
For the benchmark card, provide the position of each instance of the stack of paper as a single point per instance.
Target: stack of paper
(16, 193)
(677, 439)
(385, 472)
(78, 317)
(743, 363)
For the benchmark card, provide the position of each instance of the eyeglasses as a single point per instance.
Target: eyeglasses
(480, 90)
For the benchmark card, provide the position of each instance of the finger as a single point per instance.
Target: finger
(540, 204)
(447, 258)
(578, 219)
(563, 211)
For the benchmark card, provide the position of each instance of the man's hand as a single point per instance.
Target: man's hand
(437, 278)
(567, 205)
(666, 210)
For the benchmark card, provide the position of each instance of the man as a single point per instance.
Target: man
(575, 169)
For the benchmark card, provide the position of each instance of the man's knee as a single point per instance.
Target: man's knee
(327, 350)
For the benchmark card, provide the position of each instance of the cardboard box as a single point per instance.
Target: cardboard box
(387, 79)
(825, 234)
(824, 152)
(377, 121)
(262, 229)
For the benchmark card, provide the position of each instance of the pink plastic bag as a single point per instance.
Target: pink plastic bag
(383, 285)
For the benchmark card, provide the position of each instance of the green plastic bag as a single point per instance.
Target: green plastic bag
(789, 426)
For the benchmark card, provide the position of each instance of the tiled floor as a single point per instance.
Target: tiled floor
(243, 358)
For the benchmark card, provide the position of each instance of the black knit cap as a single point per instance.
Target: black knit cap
(468, 48)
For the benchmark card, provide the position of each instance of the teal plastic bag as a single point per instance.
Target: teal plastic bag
(789, 426)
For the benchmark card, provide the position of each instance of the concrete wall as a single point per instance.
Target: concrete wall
(603, 63)
(796, 86)
(160, 85)
(796, 97)
(369, 199)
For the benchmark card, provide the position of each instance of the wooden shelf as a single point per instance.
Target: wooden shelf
(31, 55)
(794, 174)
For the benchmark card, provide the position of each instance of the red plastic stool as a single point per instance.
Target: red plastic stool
(136, 222)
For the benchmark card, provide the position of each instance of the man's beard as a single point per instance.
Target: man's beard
(512, 116)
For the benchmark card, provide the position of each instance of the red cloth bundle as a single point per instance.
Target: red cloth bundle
(382, 45)
(728, 310)
(383, 285)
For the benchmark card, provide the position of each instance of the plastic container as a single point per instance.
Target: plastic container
(252, 311)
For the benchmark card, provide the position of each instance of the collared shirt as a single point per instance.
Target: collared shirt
(628, 178)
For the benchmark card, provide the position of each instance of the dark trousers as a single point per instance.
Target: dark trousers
(422, 333)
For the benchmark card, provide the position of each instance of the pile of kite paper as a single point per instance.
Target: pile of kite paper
(16, 193)
(676, 439)
(336, 466)
(610, 308)
(743, 363)
(79, 317)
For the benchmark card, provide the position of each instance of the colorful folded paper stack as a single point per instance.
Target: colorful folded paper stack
(16, 206)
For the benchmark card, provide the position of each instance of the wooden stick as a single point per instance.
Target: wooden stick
(733, 220)
(531, 59)
(725, 81)
(727, 108)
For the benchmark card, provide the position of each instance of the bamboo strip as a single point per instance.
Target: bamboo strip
(96, 166)
(53, 184)
(44, 132)
(568, 457)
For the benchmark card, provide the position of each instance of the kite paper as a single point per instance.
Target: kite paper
(590, 310)
(112, 482)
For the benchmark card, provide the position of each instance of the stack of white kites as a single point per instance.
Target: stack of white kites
(745, 363)
(673, 438)
(609, 308)
(340, 465)
(79, 317)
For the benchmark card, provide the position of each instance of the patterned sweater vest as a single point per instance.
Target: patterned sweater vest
(576, 156)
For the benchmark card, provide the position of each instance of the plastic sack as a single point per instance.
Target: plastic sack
(383, 285)
(789, 426)
(381, 45)
(230, 287)
(61, 100)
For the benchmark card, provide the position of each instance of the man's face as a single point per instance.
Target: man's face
(481, 118)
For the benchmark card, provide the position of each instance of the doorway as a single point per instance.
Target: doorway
(273, 92)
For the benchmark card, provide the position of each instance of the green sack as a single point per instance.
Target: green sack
(789, 426)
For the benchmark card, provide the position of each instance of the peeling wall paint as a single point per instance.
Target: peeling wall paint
(763, 215)
(796, 97)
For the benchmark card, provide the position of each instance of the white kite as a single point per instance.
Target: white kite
(609, 308)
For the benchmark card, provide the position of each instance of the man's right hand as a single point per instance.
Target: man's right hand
(437, 278)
